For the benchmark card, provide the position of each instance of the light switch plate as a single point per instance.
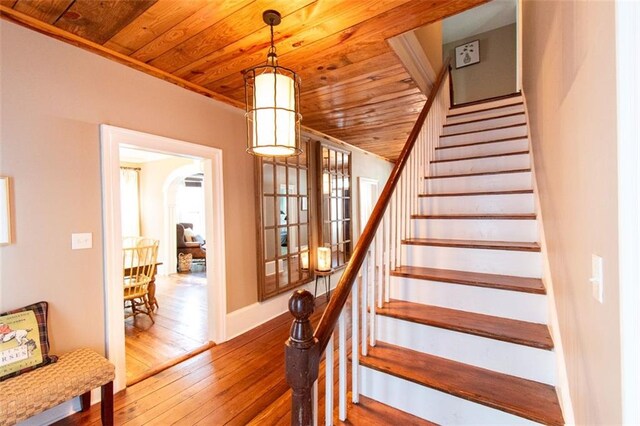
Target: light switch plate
(597, 287)
(81, 241)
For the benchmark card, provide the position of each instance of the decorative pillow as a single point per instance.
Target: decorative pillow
(188, 235)
(24, 342)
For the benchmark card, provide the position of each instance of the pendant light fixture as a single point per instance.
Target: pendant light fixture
(272, 98)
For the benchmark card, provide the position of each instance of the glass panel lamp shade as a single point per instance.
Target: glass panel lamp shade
(273, 119)
(324, 259)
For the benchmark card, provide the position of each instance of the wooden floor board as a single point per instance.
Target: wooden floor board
(180, 324)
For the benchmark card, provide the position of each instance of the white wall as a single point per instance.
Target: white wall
(54, 97)
(494, 75)
(569, 79)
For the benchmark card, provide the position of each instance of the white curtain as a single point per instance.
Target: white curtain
(130, 202)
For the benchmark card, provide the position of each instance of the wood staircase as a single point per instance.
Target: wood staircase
(464, 337)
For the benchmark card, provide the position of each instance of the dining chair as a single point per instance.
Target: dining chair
(139, 267)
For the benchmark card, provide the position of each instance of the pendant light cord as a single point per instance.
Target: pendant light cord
(272, 50)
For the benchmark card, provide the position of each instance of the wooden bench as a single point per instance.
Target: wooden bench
(75, 374)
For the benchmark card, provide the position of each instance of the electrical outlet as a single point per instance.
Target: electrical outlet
(81, 241)
(596, 280)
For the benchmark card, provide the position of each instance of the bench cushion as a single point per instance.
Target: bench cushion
(31, 393)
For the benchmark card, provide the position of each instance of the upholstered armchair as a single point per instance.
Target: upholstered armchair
(195, 248)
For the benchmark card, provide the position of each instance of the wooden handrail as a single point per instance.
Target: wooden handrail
(327, 323)
(304, 347)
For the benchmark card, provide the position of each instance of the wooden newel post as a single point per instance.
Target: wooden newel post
(302, 359)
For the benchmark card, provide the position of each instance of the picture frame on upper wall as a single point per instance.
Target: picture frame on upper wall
(5, 211)
(468, 54)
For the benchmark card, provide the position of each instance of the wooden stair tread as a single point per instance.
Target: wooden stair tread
(489, 216)
(475, 244)
(525, 398)
(498, 328)
(486, 100)
(483, 142)
(463, 194)
(501, 172)
(503, 282)
(485, 130)
(478, 120)
(373, 413)
(478, 157)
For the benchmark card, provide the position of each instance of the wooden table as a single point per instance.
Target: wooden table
(326, 277)
(152, 285)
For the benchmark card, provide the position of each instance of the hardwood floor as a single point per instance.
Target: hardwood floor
(180, 324)
(232, 383)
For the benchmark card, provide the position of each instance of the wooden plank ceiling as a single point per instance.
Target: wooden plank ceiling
(354, 87)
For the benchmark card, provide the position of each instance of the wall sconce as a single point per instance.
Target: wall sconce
(304, 260)
(272, 98)
(324, 259)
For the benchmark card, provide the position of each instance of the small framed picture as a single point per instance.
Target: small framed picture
(468, 54)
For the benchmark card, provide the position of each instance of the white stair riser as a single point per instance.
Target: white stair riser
(483, 149)
(430, 404)
(504, 357)
(484, 136)
(502, 262)
(488, 123)
(491, 164)
(497, 182)
(476, 229)
(477, 115)
(485, 105)
(482, 300)
(506, 203)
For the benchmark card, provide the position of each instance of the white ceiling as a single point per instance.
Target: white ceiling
(487, 17)
(138, 156)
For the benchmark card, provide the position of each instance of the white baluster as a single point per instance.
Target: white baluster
(342, 365)
(328, 385)
(387, 254)
(355, 390)
(379, 261)
(372, 294)
(365, 282)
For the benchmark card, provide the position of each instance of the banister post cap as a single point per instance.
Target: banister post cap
(301, 304)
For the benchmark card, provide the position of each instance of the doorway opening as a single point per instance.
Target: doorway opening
(153, 188)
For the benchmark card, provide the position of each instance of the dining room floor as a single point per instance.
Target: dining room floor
(180, 325)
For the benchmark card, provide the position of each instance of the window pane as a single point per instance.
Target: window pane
(332, 161)
(269, 244)
(304, 237)
(303, 182)
(347, 230)
(270, 277)
(341, 254)
(283, 238)
(326, 234)
(282, 210)
(268, 214)
(283, 273)
(325, 159)
(292, 215)
(267, 178)
(293, 239)
(304, 210)
(295, 269)
(293, 180)
(281, 179)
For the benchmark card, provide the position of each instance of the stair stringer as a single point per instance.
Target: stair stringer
(562, 378)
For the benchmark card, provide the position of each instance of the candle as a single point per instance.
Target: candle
(304, 259)
(324, 259)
